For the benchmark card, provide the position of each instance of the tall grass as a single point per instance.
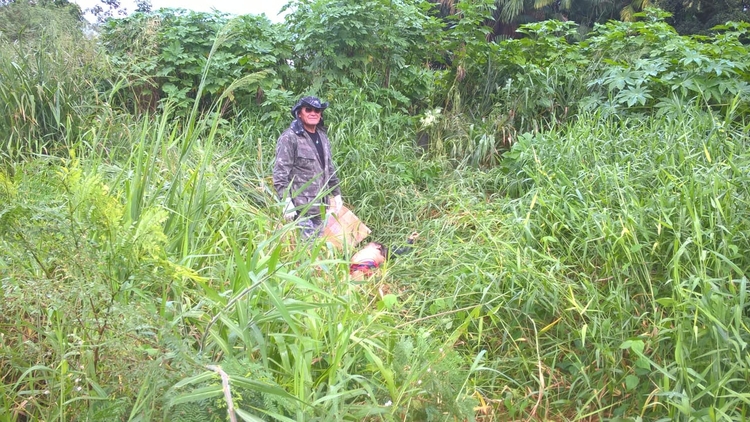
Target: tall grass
(186, 232)
(617, 266)
(48, 89)
(598, 273)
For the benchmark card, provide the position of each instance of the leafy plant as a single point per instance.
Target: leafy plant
(375, 43)
(551, 75)
(170, 53)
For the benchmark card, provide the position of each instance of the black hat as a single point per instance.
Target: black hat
(310, 102)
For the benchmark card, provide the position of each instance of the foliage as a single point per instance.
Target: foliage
(640, 210)
(164, 54)
(622, 68)
(107, 9)
(699, 17)
(26, 20)
(81, 293)
(46, 83)
(508, 15)
(589, 257)
(378, 43)
(662, 67)
(212, 265)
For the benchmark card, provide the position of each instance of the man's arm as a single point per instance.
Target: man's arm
(286, 151)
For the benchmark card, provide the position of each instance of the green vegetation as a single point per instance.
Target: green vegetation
(582, 204)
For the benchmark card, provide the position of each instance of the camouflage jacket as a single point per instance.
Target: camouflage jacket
(297, 165)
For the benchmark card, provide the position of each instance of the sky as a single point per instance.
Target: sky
(237, 7)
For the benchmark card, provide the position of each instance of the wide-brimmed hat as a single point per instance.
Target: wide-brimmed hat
(310, 102)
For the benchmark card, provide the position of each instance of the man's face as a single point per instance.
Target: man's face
(310, 116)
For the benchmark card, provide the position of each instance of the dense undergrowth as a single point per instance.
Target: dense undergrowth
(574, 262)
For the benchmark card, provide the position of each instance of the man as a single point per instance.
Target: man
(303, 174)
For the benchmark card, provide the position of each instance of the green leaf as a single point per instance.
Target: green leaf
(636, 345)
(389, 301)
(260, 387)
(631, 381)
(198, 394)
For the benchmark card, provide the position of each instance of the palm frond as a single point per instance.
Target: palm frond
(626, 14)
(510, 9)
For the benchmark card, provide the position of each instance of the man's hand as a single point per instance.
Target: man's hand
(336, 204)
(289, 213)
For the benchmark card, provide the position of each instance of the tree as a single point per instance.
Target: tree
(107, 9)
(164, 54)
(381, 43)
